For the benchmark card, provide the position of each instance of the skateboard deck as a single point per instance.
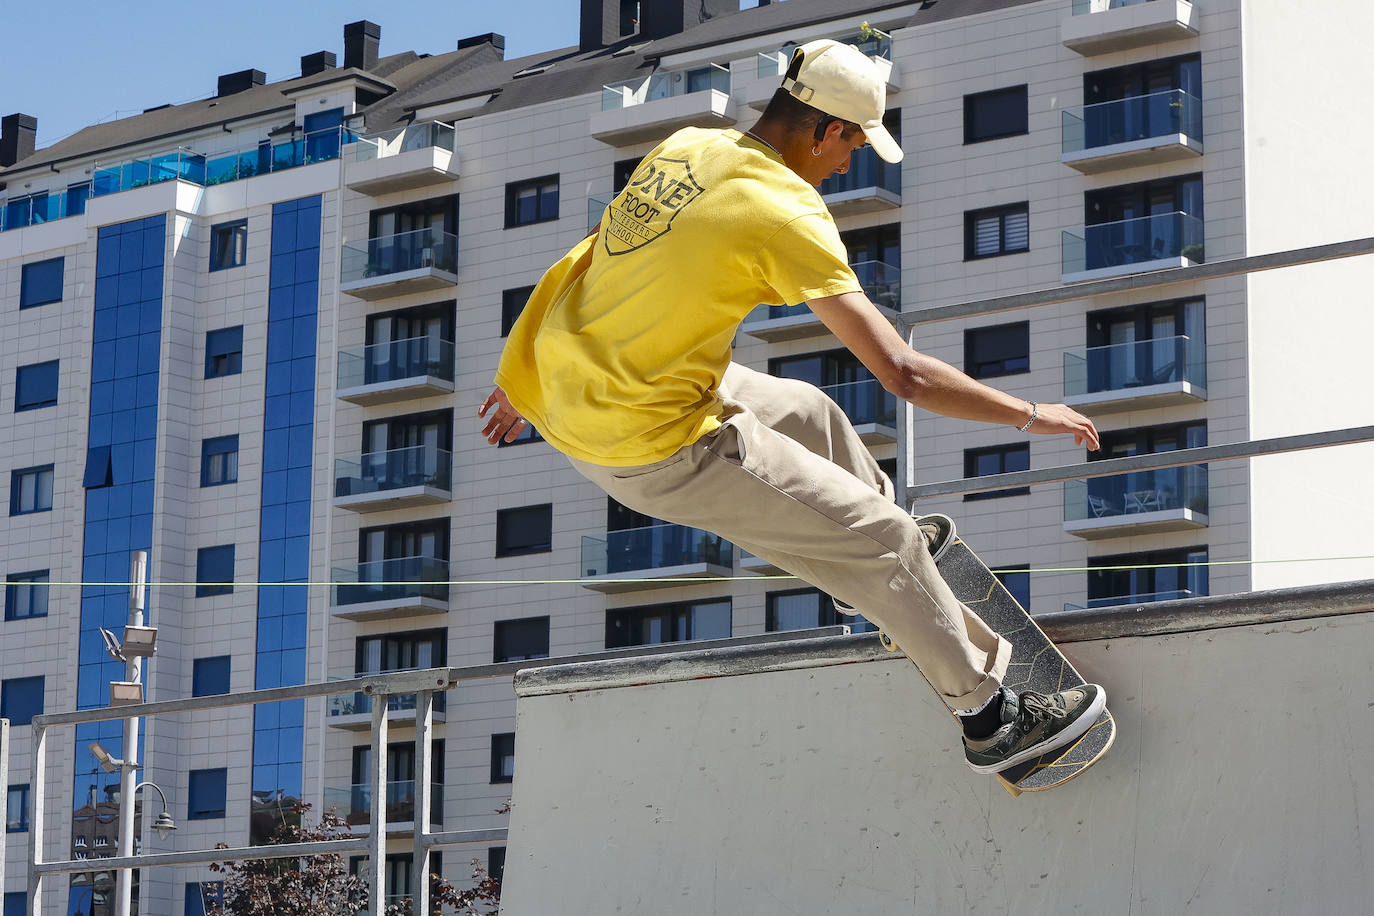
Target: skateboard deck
(1036, 664)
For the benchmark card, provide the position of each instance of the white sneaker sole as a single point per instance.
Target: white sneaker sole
(1077, 730)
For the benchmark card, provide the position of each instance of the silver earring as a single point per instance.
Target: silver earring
(815, 151)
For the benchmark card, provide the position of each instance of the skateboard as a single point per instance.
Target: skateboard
(1036, 664)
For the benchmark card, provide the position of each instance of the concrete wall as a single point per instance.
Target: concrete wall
(1240, 776)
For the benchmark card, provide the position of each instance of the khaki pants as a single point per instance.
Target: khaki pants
(788, 479)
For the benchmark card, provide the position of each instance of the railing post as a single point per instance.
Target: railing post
(128, 774)
(37, 780)
(376, 869)
(424, 769)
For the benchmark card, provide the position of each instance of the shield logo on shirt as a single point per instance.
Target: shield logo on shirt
(658, 191)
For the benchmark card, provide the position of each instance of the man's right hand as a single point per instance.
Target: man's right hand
(505, 421)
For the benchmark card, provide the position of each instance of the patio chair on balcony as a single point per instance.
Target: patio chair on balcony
(1100, 507)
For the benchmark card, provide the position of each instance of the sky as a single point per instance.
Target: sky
(95, 62)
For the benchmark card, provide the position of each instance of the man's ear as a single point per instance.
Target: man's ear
(835, 131)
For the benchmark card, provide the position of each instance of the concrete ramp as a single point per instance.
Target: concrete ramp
(822, 776)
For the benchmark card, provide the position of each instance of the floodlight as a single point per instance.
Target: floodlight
(108, 762)
(112, 646)
(140, 642)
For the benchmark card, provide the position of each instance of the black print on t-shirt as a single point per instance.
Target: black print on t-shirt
(658, 191)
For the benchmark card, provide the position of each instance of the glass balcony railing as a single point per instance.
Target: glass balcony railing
(1118, 600)
(1133, 241)
(865, 401)
(354, 803)
(1122, 366)
(596, 206)
(395, 361)
(654, 547)
(1083, 7)
(182, 164)
(404, 578)
(424, 135)
(773, 63)
(665, 84)
(375, 472)
(881, 282)
(1124, 495)
(1141, 117)
(866, 171)
(405, 251)
(359, 703)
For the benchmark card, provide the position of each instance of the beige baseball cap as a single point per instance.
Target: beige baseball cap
(842, 81)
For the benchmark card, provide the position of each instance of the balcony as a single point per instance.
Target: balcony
(418, 261)
(769, 67)
(353, 711)
(1141, 130)
(397, 589)
(880, 281)
(1136, 375)
(397, 370)
(616, 562)
(869, 186)
(1143, 502)
(1104, 26)
(870, 407)
(399, 478)
(650, 108)
(1124, 600)
(354, 804)
(1131, 246)
(417, 156)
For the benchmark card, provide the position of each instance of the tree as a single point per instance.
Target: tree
(322, 886)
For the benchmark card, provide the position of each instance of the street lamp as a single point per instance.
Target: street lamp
(164, 825)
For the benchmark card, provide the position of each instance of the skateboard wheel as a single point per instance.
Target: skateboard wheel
(886, 641)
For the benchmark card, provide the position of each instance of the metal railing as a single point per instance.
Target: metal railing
(359, 703)
(1084, 7)
(424, 135)
(400, 579)
(1134, 241)
(1118, 600)
(1140, 117)
(393, 469)
(664, 84)
(404, 251)
(1124, 496)
(396, 360)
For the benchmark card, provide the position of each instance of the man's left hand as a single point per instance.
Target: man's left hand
(504, 421)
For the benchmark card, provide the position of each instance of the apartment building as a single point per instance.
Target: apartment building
(250, 334)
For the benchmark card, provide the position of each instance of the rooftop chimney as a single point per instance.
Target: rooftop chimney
(231, 83)
(318, 62)
(494, 39)
(17, 133)
(661, 18)
(361, 40)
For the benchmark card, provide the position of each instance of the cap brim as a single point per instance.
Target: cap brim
(882, 143)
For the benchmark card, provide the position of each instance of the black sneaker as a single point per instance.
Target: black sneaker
(1034, 723)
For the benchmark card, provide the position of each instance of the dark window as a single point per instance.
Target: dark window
(528, 529)
(621, 172)
(996, 230)
(1157, 575)
(629, 17)
(17, 809)
(401, 652)
(228, 244)
(528, 434)
(1016, 580)
(804, 608)
(219, 461)
(532, 201)
(21, 698)
(1003, 349)
(1145, 221)
(99, 468)
(995, 114)
(35, 385)
(1142, 345)
(224, 352)
(16, 903)
(215, 570)
(661, 623)
(210, 676)
(31, 490)
(26, 595)
(205, 793)
(518, 640)
(512, 304)
(200, 894)
(40, 283)
(496, 862)
(999, 459)
(503, 757)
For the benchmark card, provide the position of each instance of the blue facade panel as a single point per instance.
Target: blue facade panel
(287, 457)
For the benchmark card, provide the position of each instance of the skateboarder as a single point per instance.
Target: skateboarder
(621, 360)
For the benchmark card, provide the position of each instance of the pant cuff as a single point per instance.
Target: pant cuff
(991, 682)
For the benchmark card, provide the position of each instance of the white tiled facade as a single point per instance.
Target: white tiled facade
(1285, 354)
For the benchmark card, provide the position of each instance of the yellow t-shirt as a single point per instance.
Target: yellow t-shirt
(617, 356)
